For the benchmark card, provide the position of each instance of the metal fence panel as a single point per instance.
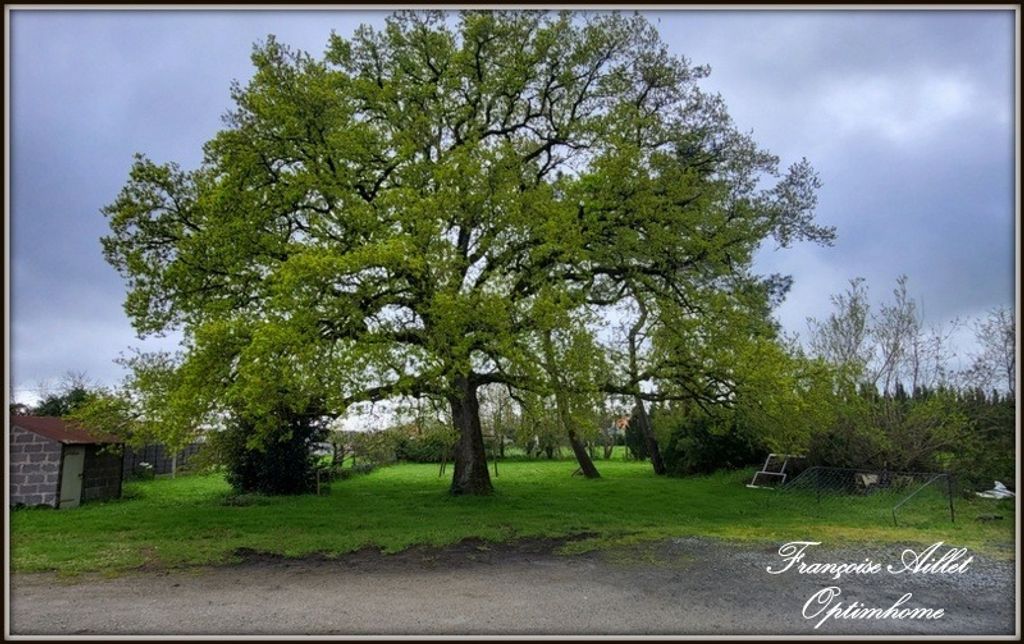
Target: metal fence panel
(899, 498)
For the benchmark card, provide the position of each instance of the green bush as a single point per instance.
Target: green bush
(848, 443)
(634, 439)
(416, 443)
(701, 444)
(347, 473)
(987, 452)
(375, 447)
(424, 444)
(968, 434)
(283, 463)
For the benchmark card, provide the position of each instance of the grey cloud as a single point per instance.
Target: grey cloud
(908, 118)
(907, 115)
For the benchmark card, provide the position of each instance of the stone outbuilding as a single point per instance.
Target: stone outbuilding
(57, 463)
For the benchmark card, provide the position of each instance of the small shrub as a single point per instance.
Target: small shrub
(701, 444)
(283, 464)
(143, 472)
(847, 444)
(377, 447)
(424, 444)
(355, 470)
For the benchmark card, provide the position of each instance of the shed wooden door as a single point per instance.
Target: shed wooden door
(71, 476)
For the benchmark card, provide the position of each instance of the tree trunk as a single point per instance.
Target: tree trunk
(634, 339)
(648, 433)
(471, 476)
(564, 415)
(580, 450)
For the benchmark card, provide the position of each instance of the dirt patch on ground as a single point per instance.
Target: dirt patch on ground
(464, 553)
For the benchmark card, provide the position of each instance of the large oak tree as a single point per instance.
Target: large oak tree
(428, 208)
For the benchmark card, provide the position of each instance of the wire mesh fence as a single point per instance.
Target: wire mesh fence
(896, 498)
(162, 460)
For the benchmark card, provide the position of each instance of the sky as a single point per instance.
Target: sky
(907, 116)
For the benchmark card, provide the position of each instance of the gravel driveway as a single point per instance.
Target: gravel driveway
(683, 586)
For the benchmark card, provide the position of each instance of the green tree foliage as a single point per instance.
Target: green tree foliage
(875, 421)
(987, 451)
(783, 397)
(154, 404)
(283, 464)
(412, 213)
(63, 404)
(780, 401)
(425, 442)
(700, 443)
(539, 430)
(73, 392)
(574, 370)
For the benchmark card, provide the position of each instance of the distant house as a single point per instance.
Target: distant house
(55, 462)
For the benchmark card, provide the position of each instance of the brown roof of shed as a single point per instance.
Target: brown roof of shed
(62, 431)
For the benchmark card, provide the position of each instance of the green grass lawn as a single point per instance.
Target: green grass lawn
(183, 521)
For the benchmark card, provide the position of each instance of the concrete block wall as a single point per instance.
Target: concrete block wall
(35, 468)
(102, 473)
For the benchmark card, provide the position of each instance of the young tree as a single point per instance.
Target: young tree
(401, 217)
(844, 338)
(640, 419)
(572, 369)
(887, 348)
(149, 405)
(498, 415)
(895, 329)
(995, 364)
(539, 431)
(610, 434)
